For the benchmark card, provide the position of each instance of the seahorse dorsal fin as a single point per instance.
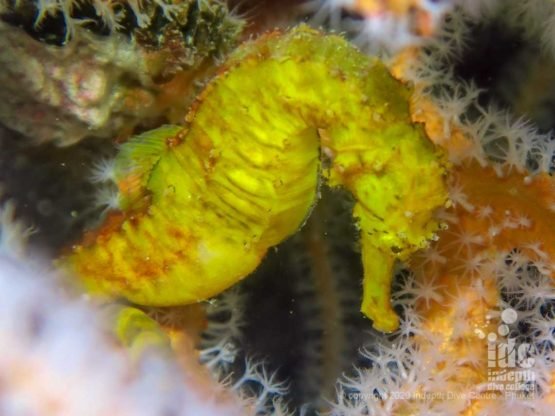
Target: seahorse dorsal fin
(136, 160)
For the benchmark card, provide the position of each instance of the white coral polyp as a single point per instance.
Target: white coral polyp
(57, 359)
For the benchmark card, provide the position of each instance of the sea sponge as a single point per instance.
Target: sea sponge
(114, 66)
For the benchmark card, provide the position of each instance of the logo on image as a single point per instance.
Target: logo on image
(509, 362)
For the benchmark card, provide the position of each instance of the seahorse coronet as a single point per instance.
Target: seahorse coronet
(243, 175)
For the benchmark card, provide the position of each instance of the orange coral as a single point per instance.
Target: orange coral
(496, 216)
(499, 219)
(418, 13)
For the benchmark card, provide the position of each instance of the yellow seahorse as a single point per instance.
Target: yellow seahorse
(202, 203)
